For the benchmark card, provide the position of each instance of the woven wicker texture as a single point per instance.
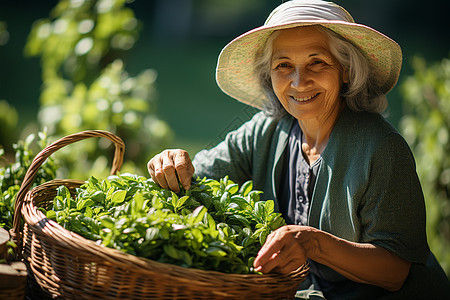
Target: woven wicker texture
(67, 265)
(13, 277)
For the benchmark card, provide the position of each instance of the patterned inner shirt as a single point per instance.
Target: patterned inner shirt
(297, 184)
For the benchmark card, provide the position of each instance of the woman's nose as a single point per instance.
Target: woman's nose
(301, 79)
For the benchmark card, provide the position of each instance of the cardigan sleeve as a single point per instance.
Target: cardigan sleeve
(230, 157)
(234, 155)
(392, 209)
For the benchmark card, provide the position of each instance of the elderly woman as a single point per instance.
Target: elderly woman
(341, 175)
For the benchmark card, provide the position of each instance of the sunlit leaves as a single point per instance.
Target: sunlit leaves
(213, 226)
(85, 84)
(81, 34)
(12, 174)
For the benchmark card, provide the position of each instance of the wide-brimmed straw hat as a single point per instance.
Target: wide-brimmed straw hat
(235, 68)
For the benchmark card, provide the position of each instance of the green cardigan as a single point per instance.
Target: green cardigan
(367, 189)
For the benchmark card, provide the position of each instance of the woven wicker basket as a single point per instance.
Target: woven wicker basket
(64, 264)
(13, 276)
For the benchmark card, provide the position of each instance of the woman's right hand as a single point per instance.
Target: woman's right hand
(171, 166)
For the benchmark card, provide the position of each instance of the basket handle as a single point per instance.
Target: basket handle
(49, 150)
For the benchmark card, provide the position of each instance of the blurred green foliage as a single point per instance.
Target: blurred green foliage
(13, 173)
(4, 34)
(8, 120)
(426, 126)
(85, 85)
(8, 114)
(81, 37)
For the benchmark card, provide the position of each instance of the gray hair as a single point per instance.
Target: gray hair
(362, 92)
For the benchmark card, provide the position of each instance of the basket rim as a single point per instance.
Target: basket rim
(45, 153)
(55, 231)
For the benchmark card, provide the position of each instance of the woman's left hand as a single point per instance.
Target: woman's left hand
(285, 250)
(288, 247)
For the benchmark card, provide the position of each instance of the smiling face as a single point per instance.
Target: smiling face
(306, 78)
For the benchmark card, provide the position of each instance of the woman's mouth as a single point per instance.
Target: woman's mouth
(304, 99)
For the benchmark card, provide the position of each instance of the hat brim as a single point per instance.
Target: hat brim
(235, 67)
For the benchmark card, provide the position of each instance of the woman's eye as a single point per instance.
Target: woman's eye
(283, 65)
(317, 62)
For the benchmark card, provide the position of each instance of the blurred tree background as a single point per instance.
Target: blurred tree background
(85, 84)
(145, 71)
(426, 127)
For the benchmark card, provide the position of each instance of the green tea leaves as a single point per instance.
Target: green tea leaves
(118, 196)
(214, 226)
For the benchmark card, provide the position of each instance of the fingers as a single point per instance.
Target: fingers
(184, 168)
(170, 166)
(155, 168)
(289, 267)
(269, 251)
(282, 252)
(282, 262)
(168, 176)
